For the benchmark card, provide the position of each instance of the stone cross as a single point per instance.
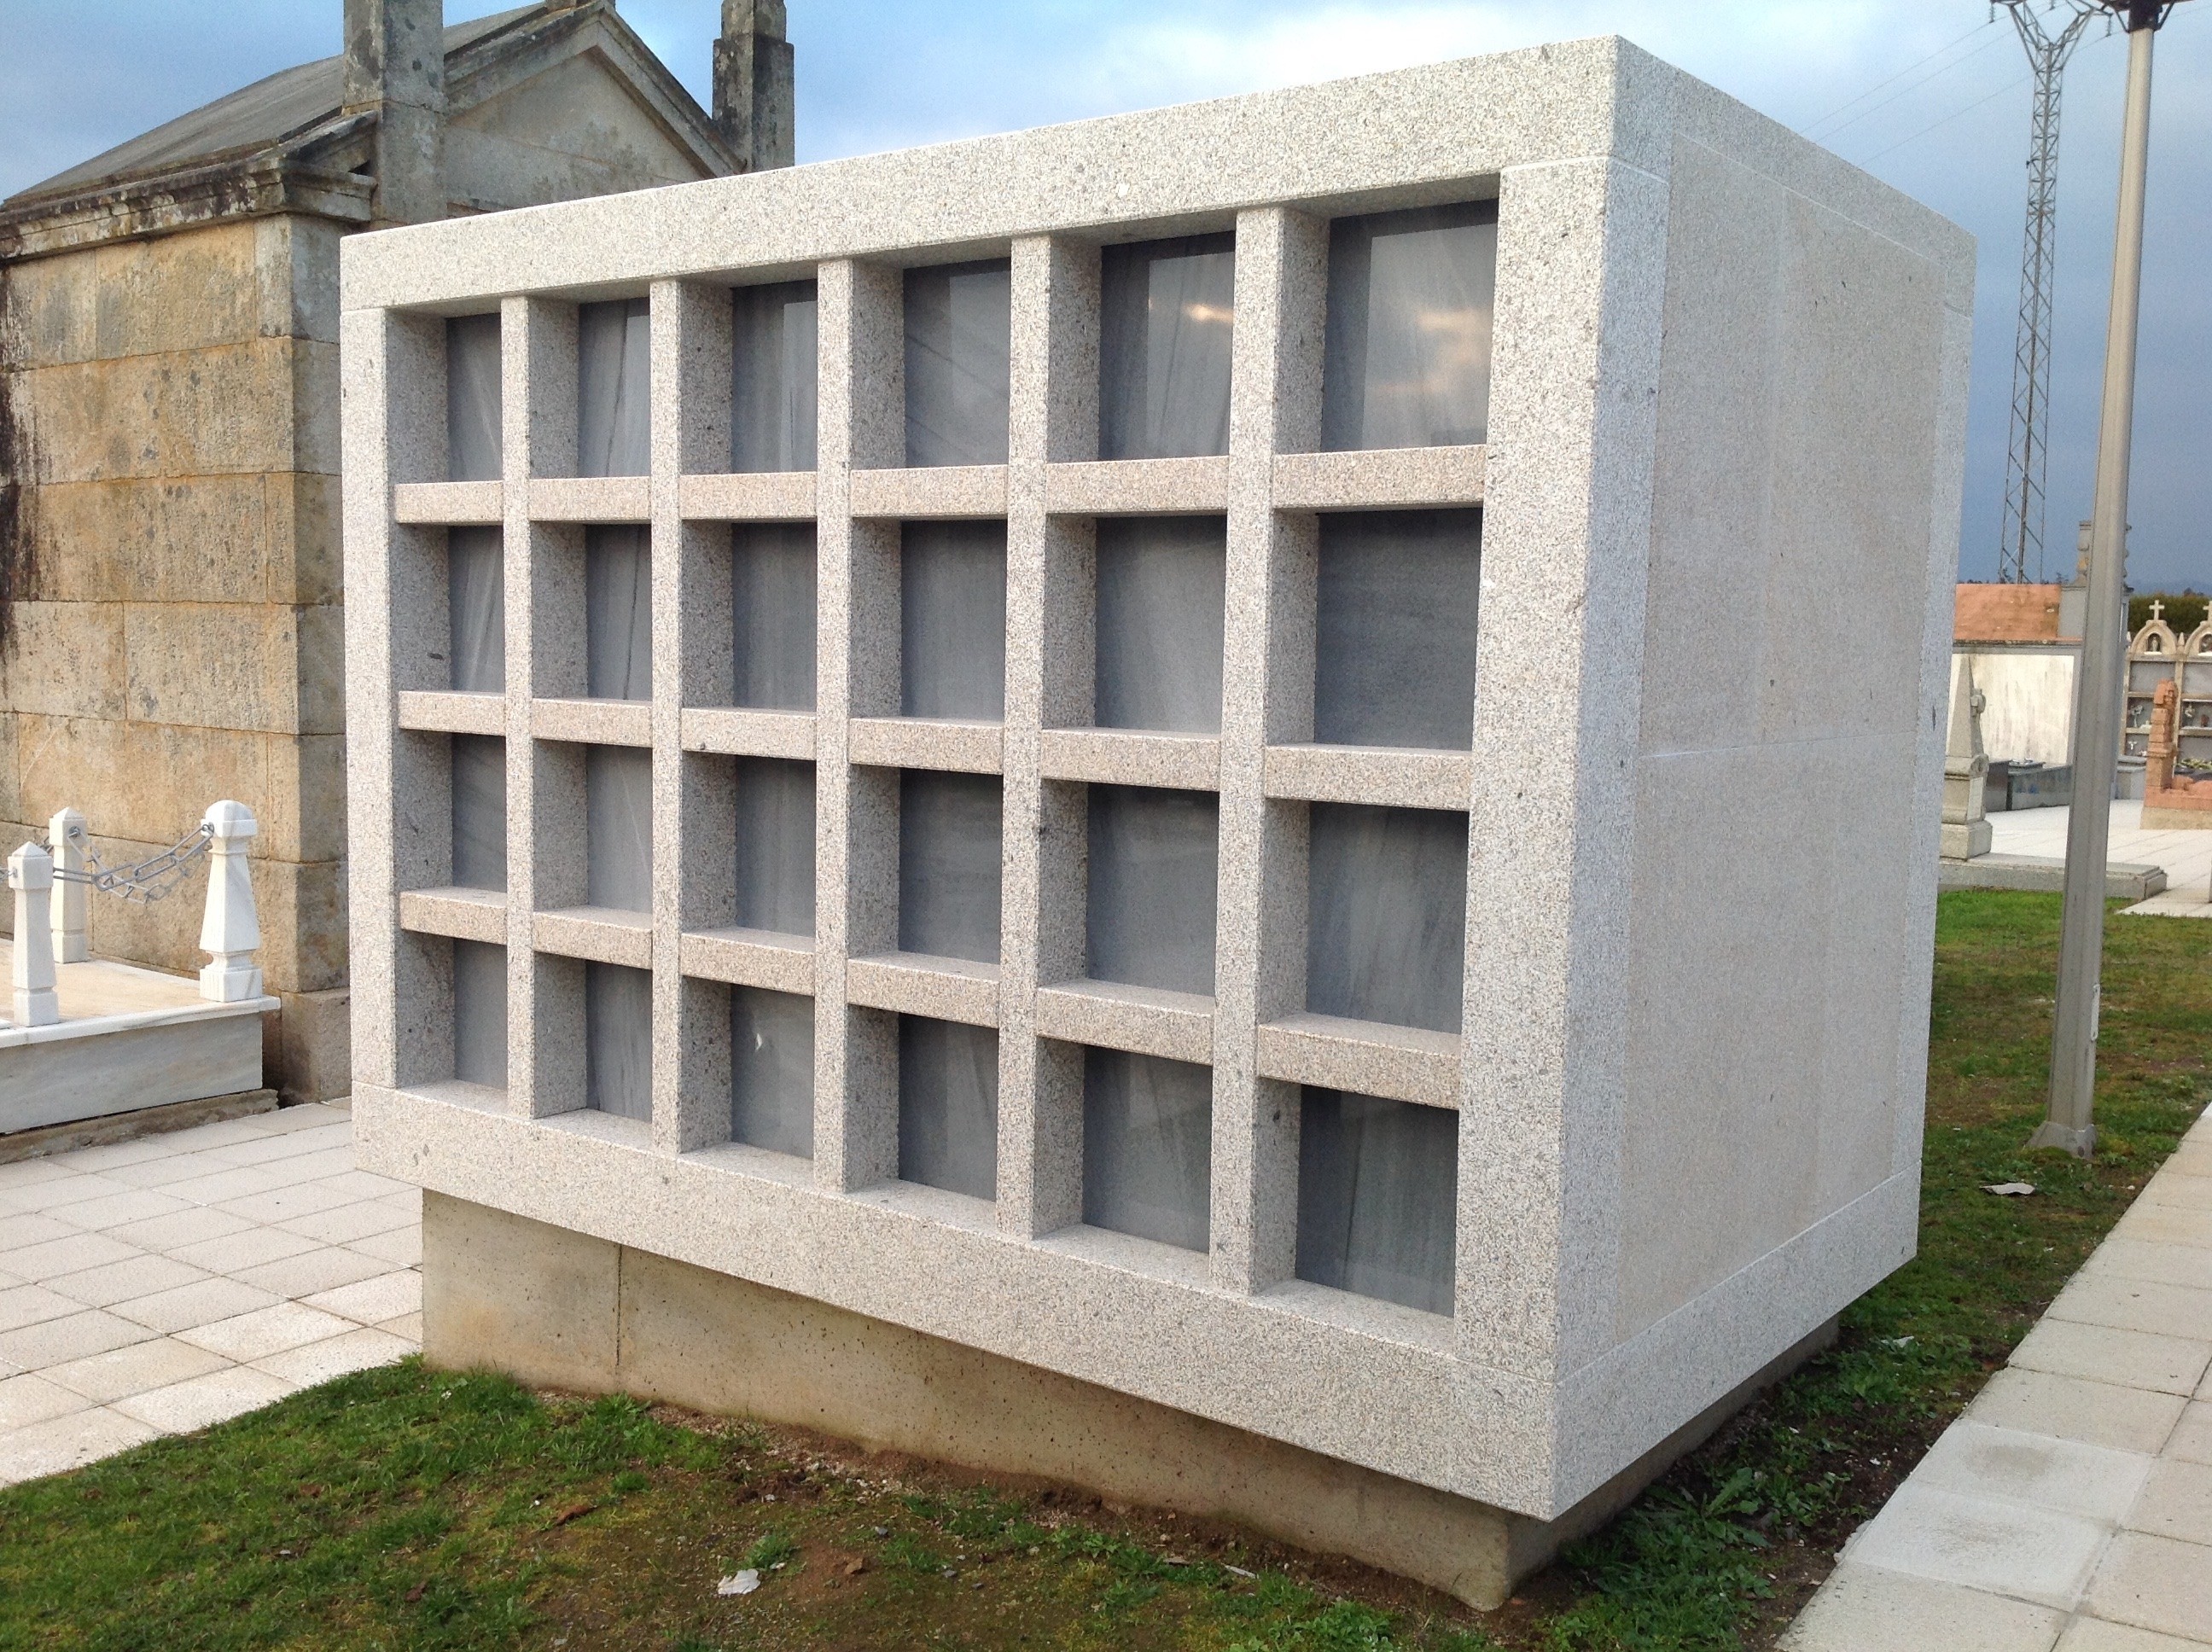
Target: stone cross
(230, 932)
(31, 875)
(66, 842)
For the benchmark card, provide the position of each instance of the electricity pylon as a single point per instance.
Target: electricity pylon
(2019, 556)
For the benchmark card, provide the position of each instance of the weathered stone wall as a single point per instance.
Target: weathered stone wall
(179, 636)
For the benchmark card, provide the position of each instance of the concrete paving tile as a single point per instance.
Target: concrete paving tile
(2094, 1635)
(123, 1281)
(31, 1229)
(62, 1444)
(204, 1303)
(310, 1116)
(318, 1166)
(66, 1189)
(137, 1204)
(2186, 1192)
(286, 1144)
(72, 1255)
(22, 1172)
(1867, 1609)
(2170, 1311)
(266, 1331)
(187, 1227)
(236, 1252)
(402, 1247)
(57, 1341)
(2192, 1439)
(408, 1327)
(223, 1133)
(2177, 1502)
(167, 1172)
(2155, 1582)
(121, 1372)
(185, 1407)
(100, 1160)
(2134, 1359)
(364, 1184)
(238, 1182)
(32, 1304)
(336, 1356)
(2142, 1259)
(1985, 1543)
(1976, 1460)
(303, 1275)
(342, 1224)
(408, 1201)
(2068, 1408)
(385, 1297)
(25, 1399)
(2166, 1225)
(281, 1204)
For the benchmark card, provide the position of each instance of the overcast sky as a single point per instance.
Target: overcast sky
(1950, 128)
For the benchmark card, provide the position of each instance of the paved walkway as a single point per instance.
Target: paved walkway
(2071, 1506)
(159, 1285)
(2186, 856)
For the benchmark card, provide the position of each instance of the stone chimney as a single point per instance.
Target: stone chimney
(752, 84)
(395, 64)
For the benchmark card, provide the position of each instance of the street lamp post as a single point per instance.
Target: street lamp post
(2099, 691)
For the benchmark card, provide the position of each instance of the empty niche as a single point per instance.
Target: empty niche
(950, 830)
(1147, 1146)
(1407, 359)
(1378, 1185)
(614, 371)
(1395, 628)
(958, 331)
(618, 1040)
(476, 608)
(618, 827)
(473, 398)
(480, 1013)
(948, 1106)
(772, 615)
(1154, 875)
(953, 620)
(1386, 918)
(618, 612)
(772, 1071)
(774, 373)
(1167, 310)
(1161, 590)
(775, 887)
(479, 811)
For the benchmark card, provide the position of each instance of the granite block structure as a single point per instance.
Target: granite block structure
(1121, 801)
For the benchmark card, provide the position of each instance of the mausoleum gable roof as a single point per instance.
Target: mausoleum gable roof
(265, 116)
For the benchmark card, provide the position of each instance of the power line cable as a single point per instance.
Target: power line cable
(1884, 84)
(1907, 90)
(2010, 86)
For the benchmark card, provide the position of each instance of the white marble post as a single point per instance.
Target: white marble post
(230, 932)
(31, 875)
(66, 842)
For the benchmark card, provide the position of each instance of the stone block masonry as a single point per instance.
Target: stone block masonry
(177, 635)
(1279, 893)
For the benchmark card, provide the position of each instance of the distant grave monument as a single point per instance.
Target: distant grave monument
(1100, 802)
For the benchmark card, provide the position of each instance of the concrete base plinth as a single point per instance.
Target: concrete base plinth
(565, 1309)
(2159, 818)
(1964, 840)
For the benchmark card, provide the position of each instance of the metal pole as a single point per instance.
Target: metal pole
(2099, 692)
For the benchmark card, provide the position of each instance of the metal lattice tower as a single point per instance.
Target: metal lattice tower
(2019, 555)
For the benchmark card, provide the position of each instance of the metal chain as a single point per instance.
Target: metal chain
(149, 880)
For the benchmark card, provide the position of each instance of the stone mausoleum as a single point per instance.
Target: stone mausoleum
(171, 626)
(1126, 802)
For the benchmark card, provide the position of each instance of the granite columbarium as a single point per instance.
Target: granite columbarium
(1126, 802)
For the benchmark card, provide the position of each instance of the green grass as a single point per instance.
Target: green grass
(408, 1509)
